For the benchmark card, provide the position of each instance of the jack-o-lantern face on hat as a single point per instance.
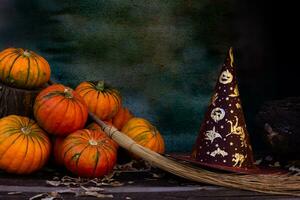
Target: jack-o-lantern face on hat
(225, 77)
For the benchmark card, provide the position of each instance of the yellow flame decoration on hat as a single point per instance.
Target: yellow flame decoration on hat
(231, 57)
(235, 92)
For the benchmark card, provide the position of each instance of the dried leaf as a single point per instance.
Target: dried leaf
(98, 195)
(127, 198)
(92, 189)
(109, 176)
(48, 198)
(66, 191)
(116, 184)
(53, 183)
(157, 175)
(12, 193)
(37, 196)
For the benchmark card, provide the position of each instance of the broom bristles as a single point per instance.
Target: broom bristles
(282, 184)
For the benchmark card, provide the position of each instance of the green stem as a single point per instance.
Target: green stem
(26, 130)
(68, 93)
(27, 53)
(100, 86)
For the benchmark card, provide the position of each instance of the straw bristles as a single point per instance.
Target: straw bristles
(283, 184)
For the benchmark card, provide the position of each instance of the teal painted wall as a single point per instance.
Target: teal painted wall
(163, 56)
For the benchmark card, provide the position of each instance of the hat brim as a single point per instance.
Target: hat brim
(255, 170)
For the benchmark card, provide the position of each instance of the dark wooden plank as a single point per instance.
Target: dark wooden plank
(137, 185)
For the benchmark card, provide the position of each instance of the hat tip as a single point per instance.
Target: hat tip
(231, 56)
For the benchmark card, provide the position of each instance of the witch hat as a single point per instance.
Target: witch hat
(223, 141)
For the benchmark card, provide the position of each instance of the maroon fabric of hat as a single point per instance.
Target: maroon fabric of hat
(223, 139)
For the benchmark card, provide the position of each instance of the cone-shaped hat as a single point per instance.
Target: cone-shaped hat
(223, 141)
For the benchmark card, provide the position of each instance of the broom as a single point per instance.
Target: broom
(281, 184)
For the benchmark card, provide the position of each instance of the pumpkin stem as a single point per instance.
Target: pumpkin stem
(100, 85)
(68, 93)
(27, 53)
(26, 130)
(93, 142)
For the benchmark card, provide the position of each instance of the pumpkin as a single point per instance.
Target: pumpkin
(60, 110)
(23, 68)
(57, 146)
(89, 153)
(96, 127)
(145, 134)
(101, 100)
(121, 118)
(24, 146)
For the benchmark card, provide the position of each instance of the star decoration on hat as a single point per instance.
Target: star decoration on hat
(211, 135)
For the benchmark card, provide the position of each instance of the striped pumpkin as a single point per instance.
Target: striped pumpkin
(101, 100)
(121, 118)
(145, 134)
(60, 110)
(24, 146)
(89, 153)
(23, 68)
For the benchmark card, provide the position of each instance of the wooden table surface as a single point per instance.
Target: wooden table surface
(146, 184)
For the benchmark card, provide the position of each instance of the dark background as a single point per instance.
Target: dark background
(164, 56)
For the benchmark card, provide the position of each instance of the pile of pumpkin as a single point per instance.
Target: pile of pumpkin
(61, 116)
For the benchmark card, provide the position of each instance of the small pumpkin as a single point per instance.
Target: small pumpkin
(145, 134)
(60, 110)
(24, 146)
(121, 118)
(89, 153)
(23, 68)
(101, 100)
(96, 127)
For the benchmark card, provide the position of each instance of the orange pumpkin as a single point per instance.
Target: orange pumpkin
(23, 68)
(89, 153)
(60, 110)
(101, 100)
(24, 146)
(145, 134)
(121, 118)
(94, 126)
